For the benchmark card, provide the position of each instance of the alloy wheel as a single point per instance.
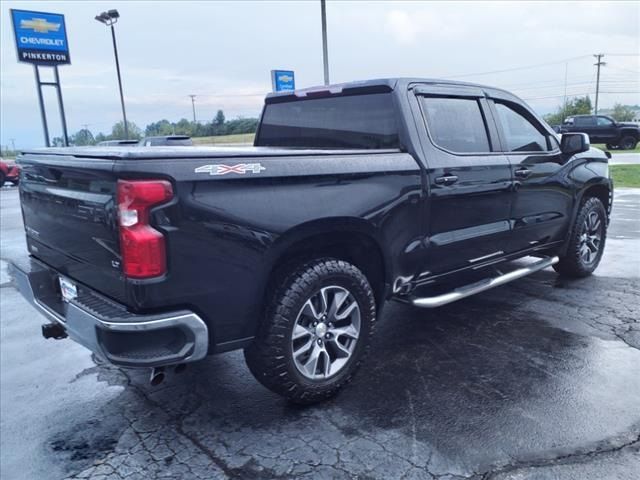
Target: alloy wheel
(325, 333)
(591, 238)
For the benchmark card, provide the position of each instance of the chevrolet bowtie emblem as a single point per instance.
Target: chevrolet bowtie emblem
(40, 25)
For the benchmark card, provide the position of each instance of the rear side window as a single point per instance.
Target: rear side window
(456, 124)
(584, 121)
(357, 121)
(520, 134)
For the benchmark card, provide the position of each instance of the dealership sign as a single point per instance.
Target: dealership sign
(282, 80)
(41, 38)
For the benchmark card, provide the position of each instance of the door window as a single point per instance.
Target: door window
(520, 135)
(456, 124)
(585, 121)
(604, 122)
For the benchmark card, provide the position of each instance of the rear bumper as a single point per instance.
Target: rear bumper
(107, 328)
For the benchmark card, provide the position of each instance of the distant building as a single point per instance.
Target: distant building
(635, 108)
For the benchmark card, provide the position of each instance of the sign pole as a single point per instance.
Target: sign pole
(65, 134)
(43, 115)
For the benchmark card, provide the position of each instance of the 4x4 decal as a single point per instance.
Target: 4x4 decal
(221, 169)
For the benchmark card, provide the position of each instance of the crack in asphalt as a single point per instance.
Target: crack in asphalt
(575, 457)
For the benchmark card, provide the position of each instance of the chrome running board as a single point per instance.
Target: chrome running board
(482, 285)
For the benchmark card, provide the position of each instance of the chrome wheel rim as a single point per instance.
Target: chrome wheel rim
(325, 333)
(590, 238)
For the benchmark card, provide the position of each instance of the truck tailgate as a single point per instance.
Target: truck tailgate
(70, 217)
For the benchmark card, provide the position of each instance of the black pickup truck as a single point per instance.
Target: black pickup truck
(400, 189)
(603, 129)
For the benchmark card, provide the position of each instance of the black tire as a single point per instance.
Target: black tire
(2, 179)
(15, 182)
(271, 356)
(611, 146)
(577, 262)
(627, 143)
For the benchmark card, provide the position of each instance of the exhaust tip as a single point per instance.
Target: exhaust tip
(157, 376)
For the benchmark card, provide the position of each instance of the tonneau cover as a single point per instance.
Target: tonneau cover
(143, 153)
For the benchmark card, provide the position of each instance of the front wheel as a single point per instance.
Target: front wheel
(316, 332)
(586, 244)
(628, 143)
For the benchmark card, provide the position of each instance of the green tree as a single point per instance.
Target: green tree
(575, 106)
(219, 118)
(58, 142)
(83, 137)
(117, 132)
(622, 113)
(184, 127)
(163, 127)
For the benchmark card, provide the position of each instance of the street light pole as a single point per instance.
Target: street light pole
(325, 50)
(109, 18)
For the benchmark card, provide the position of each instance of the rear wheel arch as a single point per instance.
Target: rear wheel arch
(351, 240)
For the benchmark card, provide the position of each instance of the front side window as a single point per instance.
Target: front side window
(456, 124)
(520, 135)
(604, 122)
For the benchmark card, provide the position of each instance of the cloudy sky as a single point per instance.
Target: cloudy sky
(223, 52)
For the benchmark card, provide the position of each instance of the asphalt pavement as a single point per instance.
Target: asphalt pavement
(536, 379)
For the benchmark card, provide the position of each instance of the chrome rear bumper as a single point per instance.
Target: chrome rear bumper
(107, 328)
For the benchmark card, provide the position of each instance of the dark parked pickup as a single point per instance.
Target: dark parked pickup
(418, 191)
(603, 129)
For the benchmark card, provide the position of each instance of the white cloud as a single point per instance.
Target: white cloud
(223, 51)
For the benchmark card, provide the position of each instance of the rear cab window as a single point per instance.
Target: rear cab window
(365, 121)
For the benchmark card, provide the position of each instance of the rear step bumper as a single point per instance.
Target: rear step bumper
(107, 328)
(482, 285)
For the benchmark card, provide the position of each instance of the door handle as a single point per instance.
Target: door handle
(446, 179)
(522, 172)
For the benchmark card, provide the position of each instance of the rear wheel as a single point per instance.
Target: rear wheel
(628, 143)
(586, 244)
(316, 331)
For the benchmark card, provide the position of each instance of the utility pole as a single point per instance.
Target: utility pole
(564, 105)
(13, 144)
(193, 106)
(598, 64)
(325, 50)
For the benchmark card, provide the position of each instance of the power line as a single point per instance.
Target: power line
(526, 67)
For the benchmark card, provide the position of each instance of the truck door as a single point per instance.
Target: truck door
(606, 130)
(542, 197)
(469, 180)
(586, 124)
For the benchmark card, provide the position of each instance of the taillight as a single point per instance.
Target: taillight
(142, 247)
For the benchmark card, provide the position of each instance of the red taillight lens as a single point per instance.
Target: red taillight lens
(142, 247)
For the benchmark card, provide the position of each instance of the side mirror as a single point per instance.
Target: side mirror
(572, 143)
